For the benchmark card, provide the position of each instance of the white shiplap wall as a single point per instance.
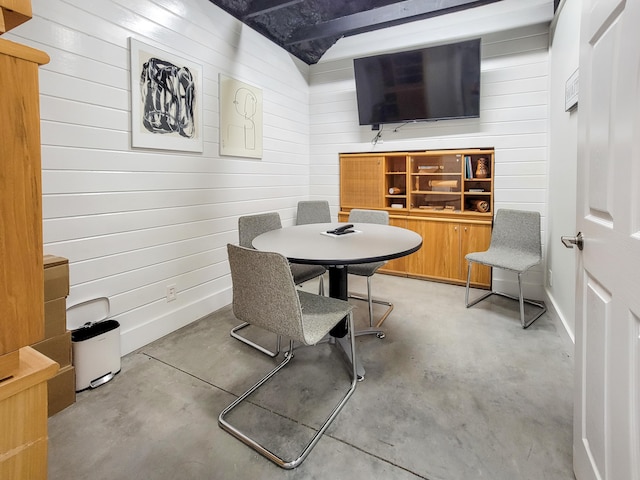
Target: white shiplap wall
(563, 165)
(132, 221)
(513, 120)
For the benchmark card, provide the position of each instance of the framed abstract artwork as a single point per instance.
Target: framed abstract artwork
(240, 118)
(166, 100)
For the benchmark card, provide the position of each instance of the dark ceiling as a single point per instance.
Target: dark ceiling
(307, 28)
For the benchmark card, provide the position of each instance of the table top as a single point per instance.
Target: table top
(311, 245)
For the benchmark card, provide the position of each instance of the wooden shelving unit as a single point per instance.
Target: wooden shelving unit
(442, 194)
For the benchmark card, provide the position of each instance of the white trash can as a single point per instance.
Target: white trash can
(96, 353)
(95, 341)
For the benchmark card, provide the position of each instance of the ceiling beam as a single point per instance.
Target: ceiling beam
(382, 17)
(260, 7)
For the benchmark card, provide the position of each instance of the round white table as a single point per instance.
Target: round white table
(311, 244)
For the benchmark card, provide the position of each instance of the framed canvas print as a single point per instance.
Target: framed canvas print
(166, 100)
(240, 118)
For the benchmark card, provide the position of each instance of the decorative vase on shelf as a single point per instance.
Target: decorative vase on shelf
(482, 169)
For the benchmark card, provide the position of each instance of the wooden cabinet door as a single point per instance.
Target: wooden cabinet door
(475, 238)
(362, 181)
(399, 265)
(439, 257)
(445, 245)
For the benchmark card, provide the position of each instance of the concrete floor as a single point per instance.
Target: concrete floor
(450, 394)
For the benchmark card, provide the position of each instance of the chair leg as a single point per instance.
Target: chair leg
(263, 450)
(466, 293)
(370, 302)
(542, 306)
(234, 333)
(373, 330)
(520, 299)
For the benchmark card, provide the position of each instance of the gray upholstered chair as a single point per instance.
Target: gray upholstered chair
(368, 269)
(264, 294)
(515, 246)
(249, 227)
(313, 211)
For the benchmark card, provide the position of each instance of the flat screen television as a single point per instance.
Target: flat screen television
(434, 83)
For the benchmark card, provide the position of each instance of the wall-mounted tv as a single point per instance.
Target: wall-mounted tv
(434, 83)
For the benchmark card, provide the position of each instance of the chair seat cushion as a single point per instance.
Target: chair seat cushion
(303, 273)
(320, 314)
(505, 258)
(364, 269)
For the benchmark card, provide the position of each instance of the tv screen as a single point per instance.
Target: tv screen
(434, 83)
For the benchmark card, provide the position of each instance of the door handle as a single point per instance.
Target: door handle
(569, 242)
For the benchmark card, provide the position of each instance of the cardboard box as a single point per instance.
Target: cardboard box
(55, 317)
(57, 348)
(56, 277)
(62, 390)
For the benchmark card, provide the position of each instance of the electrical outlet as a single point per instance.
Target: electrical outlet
(550, 276)
(171, 292)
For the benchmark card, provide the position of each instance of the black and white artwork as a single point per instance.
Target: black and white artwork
(240, 118)
(166, 100)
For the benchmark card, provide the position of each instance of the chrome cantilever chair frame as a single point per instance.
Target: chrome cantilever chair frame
(249, 227)
(519, 298)
(314, 312)
(368, 270)
(515, 246)
(234, 333)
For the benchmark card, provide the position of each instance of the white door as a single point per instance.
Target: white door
(607, 360)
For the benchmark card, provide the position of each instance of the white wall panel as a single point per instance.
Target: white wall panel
(61, 110)
(563, 164)
(87, 271)
(59, 85)
(131, 221)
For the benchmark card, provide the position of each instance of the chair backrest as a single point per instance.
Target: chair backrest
(369, 216)
(264, 293)
(517, 230)
(313, 211)
(250, 226)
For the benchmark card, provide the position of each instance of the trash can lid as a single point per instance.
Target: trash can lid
(91, 330)
(89, 311)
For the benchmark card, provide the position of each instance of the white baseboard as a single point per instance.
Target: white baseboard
(561, 322)
(156, 328)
